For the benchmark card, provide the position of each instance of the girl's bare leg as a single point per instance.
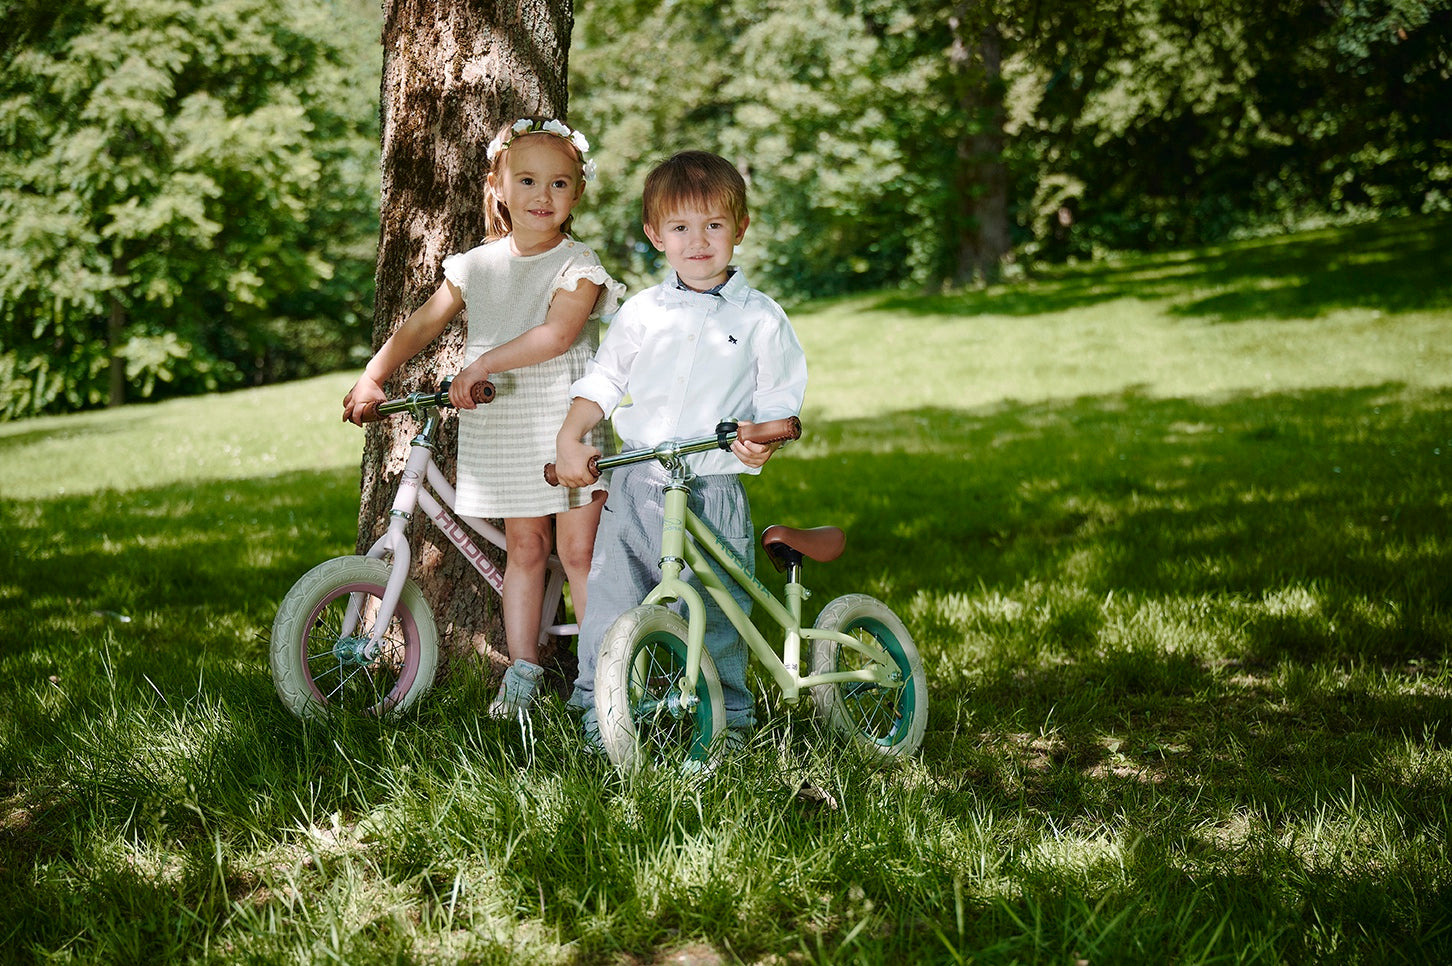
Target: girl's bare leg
(575, 543)
(527, 542)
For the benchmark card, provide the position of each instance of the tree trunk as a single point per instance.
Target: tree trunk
(453, 72)
(116, 367)
(980, 178)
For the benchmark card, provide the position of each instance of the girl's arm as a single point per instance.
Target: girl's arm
(422, 326)
(564, 320)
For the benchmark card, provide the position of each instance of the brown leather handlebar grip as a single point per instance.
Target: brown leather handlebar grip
(771, 431)
(481, 392)
(553, 480)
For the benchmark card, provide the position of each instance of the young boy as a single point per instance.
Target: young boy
(679, 357)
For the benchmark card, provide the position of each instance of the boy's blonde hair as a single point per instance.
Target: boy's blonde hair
(693, 180)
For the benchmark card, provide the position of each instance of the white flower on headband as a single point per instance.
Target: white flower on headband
(553, 126)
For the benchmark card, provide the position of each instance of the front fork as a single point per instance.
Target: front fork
(673, 587)
(394, 542)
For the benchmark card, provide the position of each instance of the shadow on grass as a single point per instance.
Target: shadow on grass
(1157, 617)
(175, 571)
(1394, 265)
(1125, 600)
(1344, 492)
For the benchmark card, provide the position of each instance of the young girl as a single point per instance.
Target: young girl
(534, 296)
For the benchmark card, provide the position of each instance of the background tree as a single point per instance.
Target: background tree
(453, 72)
(185, 195)
(917, 142)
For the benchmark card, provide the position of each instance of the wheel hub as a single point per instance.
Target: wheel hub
(680, 702)
(352, 650)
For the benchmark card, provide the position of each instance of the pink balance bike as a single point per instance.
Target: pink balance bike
(355, 633)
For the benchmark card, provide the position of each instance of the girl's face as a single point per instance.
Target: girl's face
(539, 183)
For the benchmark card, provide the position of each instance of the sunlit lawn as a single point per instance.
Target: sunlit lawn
(1172, 534)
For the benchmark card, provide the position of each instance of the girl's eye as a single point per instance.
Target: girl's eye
(562, 183)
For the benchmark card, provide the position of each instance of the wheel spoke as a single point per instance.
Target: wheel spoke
(340, 671)
(888, 721)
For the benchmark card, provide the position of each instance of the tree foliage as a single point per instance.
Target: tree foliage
(871, 127)
(187, 195)
(188, 191)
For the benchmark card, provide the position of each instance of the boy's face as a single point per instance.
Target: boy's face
(698, 243)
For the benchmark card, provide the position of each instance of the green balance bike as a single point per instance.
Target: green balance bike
(657, 694)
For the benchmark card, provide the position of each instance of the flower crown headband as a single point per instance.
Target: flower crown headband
(526, 125)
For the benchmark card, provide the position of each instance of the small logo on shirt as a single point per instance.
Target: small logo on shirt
(731, 339)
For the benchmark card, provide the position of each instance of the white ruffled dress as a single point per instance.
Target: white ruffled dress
(504, 446)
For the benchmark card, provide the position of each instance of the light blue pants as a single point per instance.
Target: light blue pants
(626, 566)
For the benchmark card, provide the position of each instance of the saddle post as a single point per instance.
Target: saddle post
(794, 593)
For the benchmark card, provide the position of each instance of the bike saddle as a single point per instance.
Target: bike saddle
(786, 546)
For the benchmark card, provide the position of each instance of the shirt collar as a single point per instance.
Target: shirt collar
(733, 290)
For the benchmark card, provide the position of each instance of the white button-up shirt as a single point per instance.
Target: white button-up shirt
(674, 363)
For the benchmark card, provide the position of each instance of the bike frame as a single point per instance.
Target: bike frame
(686, 540)
(411, 494)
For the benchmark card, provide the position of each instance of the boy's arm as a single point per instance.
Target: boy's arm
(572, 454)
(422, 326)
(781, 387)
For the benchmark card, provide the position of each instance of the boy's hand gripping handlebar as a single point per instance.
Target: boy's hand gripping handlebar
(482, 392)
(727, 432)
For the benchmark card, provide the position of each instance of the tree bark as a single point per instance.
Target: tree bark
(980, 178)
(116, 367)
(453, 72)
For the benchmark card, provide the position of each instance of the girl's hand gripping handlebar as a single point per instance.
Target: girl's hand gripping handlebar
(772, 431)
(482, 392)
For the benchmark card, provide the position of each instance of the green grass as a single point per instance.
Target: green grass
(1172, 534)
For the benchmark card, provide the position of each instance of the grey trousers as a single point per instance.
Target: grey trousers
(626, 566)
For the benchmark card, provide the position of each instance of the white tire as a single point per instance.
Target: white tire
(315, 670)
(885, 722)
(638, 702)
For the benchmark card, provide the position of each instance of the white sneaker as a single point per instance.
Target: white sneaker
(517, 690)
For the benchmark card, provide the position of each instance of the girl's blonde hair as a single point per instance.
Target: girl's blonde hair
(497, 222)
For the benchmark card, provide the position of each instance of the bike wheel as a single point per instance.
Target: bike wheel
(315, 667)
(885, 722)
(642, 713)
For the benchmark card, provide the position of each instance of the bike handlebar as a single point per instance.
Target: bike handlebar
(482, 393)
(727, 431)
